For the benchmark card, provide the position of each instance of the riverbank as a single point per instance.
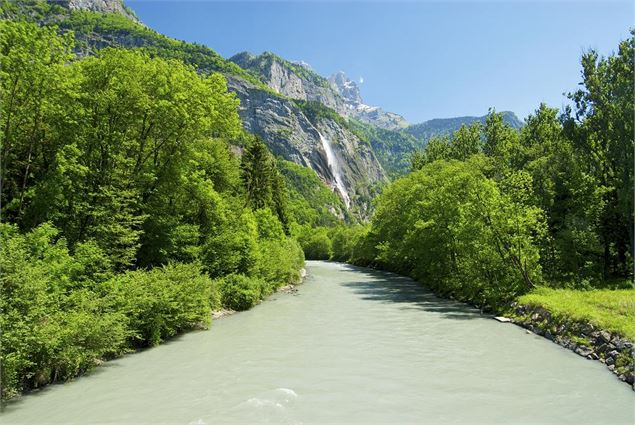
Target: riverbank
(356, 347)
(290, 288)
(192, 298)
(597, 325)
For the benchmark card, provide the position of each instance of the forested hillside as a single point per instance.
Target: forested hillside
(276, 118)
(446, 126)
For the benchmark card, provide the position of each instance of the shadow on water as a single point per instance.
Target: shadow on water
(386, 287)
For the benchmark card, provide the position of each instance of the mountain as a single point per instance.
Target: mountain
(43, 10)
(297, 80)
(302, 129)
(443, 126)
(356, 108)
(303, 117)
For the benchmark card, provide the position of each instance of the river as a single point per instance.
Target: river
(351, 346)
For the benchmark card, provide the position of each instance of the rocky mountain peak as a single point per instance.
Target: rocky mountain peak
(346, 87)
(297, 80)
(243, 59)
(303, 64)
(101, 6)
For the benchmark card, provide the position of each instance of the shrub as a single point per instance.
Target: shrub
(240, 292)
(280, 262)
(161, 302)
(315, 242)
(53, 325)
(453, 229)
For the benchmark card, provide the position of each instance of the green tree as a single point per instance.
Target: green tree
(569, 196)
(452, 228)
(603, 131)
(257, 174)
(438, 147)
(263, 183)
(37, 101)
(466, 142)
(501, 141)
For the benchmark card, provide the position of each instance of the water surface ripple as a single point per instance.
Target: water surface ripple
(352, 346)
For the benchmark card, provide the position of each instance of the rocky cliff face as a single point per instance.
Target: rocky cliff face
(102, 6)
(293, 80)
(322, 133)
(340, 158)
(346, 88)
(321, 142)
(299, 81)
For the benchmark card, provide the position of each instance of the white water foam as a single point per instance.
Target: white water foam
(273, 399)
(333, 164)
(288, 394)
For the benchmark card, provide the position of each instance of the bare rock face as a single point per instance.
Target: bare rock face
(102, 6)
(298, 81)
(347, 88)
(323, 143)
(285, 81)
(289, 133)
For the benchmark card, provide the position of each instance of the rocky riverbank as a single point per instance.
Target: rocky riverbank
(585, 339)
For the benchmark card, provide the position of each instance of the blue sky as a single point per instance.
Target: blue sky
(421, 59)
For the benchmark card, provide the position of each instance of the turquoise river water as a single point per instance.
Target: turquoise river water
(351, 346)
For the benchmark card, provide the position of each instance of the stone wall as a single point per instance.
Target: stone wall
(585, 339)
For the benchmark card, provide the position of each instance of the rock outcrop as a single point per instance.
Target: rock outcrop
(102, 6)
(350, 168)
(356, 108)
(291, 79)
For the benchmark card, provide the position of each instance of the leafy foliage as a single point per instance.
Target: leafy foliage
(446, 126)
(489, 212)
(315, 242)
(95, 31)
(456, 232)
(392, 147)
(128, 207)
(239, 292)
(54, 326)
(310, 200)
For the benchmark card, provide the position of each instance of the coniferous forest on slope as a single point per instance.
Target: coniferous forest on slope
(134, 203)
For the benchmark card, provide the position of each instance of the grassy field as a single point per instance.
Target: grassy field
(612, 310)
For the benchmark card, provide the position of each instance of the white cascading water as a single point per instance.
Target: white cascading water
(331, 159)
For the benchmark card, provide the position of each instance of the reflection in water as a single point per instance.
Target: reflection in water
(353, 346)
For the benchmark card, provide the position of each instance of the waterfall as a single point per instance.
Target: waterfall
(333, 164)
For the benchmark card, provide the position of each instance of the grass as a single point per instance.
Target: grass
(612, 310)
